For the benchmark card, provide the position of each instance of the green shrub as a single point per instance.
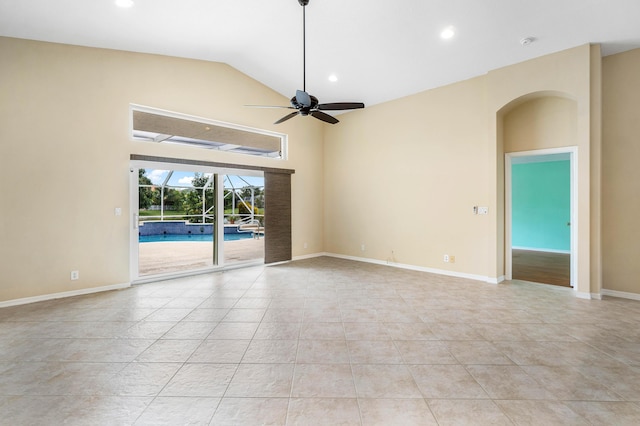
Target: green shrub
(244, 210)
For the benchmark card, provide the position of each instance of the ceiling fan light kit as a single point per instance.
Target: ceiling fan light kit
(305, 104)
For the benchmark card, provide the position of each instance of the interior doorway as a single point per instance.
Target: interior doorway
(540, 191)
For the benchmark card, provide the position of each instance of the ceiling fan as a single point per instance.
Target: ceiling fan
(305, 104)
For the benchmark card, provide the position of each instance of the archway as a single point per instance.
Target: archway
(542, 123)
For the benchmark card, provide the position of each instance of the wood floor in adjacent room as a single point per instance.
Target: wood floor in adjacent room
(542, 267)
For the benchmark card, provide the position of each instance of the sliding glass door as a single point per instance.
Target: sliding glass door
(194, 220)
(176, 221)
(244, 209)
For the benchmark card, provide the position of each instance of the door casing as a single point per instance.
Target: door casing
(573, 165)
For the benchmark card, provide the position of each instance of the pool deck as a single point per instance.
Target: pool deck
(166, 257)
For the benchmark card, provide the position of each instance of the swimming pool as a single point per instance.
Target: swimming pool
(191, 237)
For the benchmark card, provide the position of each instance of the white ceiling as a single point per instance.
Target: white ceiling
(379, 49)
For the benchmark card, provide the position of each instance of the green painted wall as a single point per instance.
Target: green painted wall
(541, 205)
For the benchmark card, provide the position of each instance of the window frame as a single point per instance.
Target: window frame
(283, 152)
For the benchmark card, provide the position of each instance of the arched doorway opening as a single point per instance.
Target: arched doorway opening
(540, 127)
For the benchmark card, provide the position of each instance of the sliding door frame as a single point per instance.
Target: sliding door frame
(277, 184)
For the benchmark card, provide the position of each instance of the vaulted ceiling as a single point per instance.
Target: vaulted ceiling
(378, 49)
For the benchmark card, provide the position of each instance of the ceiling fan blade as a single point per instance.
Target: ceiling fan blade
(286, 117)
(269, 106)
(303, 98)
(325, 117)
(340, 105)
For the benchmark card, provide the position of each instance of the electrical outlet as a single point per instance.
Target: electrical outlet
(452, 259)
(362, 246)
(483, 210)
(75, 275)
(306, 245)
(446, 258)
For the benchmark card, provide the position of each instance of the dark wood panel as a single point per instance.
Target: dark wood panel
(542, 267)
(277, 219)
(138, 157)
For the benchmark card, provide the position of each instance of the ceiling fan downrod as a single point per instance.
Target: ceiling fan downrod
(304, 3)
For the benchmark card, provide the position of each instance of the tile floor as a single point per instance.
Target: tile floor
(322, 341)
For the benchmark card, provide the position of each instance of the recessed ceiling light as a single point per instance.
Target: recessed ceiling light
(124, 3)
(448, 32)
(333, 78)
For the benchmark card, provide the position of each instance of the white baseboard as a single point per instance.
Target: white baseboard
(621, 294)
(309, 256)
(496, 280)
(483, 278)
(53, 296)
(417, 268)
(583, 295)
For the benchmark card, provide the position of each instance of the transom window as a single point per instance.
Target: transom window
(153, 125)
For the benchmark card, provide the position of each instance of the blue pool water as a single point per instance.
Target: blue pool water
(190, 237)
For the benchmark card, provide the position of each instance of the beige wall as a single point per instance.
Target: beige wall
(64, 156)
(402, 177)
(540, 123)
(621, 172)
